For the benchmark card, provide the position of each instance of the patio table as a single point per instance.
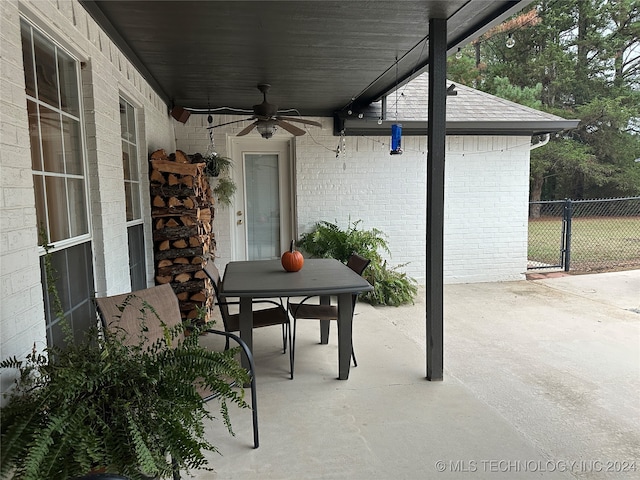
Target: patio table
(319, 277)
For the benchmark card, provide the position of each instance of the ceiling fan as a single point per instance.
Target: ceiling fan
(267, 119)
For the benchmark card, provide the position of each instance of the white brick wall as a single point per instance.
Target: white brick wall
(486, 198)
(21, 307)
(486, 195)
(106, 75)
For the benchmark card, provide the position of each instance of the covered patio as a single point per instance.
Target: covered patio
(331, 59)
(541, 382)
(541, 377)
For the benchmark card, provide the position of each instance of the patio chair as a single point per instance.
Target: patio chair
(266, 317)
(164, 302)
(358, 264)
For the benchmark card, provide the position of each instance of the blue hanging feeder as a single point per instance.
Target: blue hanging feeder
(396, 139)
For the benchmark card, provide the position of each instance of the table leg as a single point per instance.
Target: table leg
(324, 324)
(345, 324)
(246, 326)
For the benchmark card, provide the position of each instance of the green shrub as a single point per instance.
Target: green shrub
(390, 287)
(327, 240)
(130, 409)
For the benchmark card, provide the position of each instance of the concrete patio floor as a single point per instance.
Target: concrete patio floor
(542, 380)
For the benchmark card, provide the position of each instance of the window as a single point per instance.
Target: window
(58, 166)
(130, 166)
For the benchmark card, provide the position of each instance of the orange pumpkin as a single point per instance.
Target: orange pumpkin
(292, 260)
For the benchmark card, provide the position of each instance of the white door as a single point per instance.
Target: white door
(263, 223)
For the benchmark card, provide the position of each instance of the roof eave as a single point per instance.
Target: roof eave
(373, 127)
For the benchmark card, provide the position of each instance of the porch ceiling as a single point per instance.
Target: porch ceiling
(317, 55)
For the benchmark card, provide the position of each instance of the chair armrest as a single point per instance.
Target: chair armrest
(272, 302)
(299, 304)
(239, 341)
(252, 373)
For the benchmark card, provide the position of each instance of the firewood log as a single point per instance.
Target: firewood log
(182, 252)
(200, 274)
(159, 155)
(179, 268)
(187, 181)
(181, 157)
(176, 190)
(182, 277)
(174, 202)
(180, 243)
(198, 297)
(188, 220)
(157, 177)
(168, 166)
(192, 286)
(175, 233)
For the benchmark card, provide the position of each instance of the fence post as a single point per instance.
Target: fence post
(567, 216)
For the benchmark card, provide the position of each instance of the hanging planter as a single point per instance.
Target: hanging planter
(224, 190)
(217, 165)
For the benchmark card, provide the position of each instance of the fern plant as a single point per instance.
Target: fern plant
(224, 190)
(328, 240)
(129, 409)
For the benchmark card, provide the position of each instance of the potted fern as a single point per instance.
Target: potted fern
(219, 167)
(102, 404)
(390, 285)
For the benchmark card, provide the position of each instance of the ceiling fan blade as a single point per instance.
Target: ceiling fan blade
(290, 128)
(229, 123)
(246, 130)
(300, 120)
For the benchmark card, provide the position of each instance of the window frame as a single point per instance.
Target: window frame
(58, 251)
(77, 239)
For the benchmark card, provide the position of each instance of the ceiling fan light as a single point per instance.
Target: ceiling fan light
(266, 130)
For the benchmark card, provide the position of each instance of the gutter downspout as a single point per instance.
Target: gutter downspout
(541, 143)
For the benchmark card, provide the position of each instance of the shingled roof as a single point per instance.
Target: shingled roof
(469, 112)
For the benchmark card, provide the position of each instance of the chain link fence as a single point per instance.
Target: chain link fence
(585, 235)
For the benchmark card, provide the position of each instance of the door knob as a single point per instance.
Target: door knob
(239, 213)
(239, 222)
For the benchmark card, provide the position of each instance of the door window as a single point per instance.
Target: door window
(262, 194)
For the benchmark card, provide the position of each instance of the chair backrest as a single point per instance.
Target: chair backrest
(357, 263)
(156, 307)
(214, 275)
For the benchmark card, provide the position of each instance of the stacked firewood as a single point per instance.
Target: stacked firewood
(182, 213)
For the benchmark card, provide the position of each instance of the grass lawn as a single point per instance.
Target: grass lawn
(596, 242)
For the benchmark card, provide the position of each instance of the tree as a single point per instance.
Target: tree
(576, 59)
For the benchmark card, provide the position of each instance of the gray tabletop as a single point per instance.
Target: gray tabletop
(267, 278)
